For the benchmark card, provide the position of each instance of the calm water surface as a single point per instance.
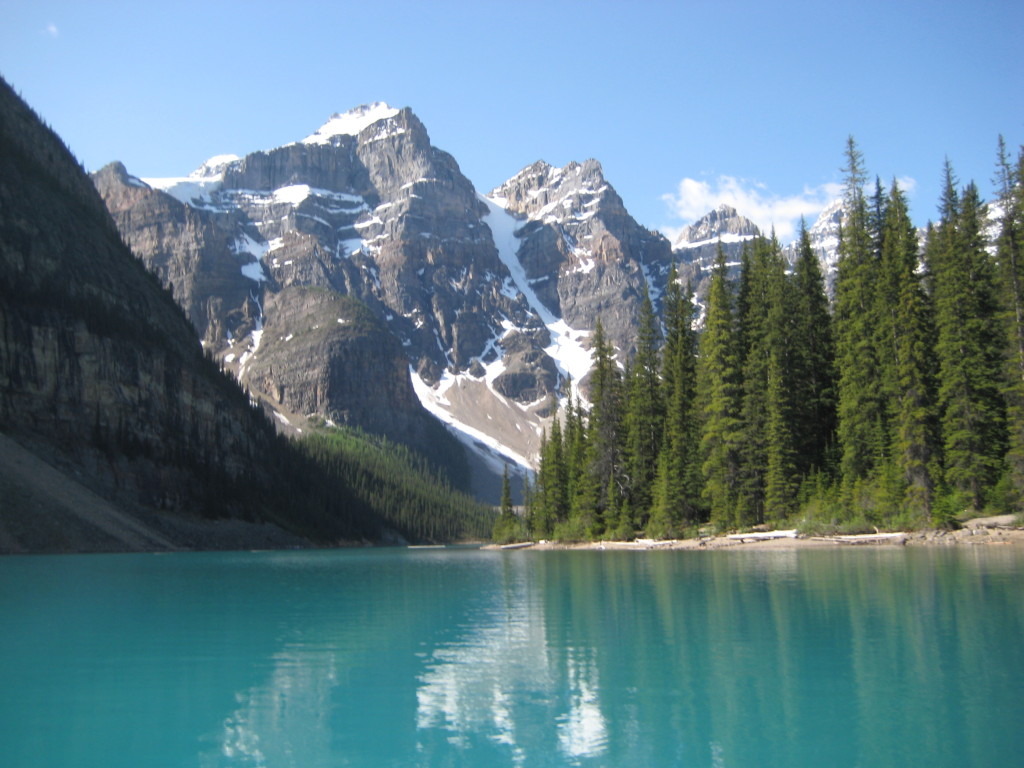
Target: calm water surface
(465, 658)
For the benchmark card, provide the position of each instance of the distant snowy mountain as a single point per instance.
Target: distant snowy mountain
(723, 223)
(356, 276)
(695, 249)
(585, 256)
(824, 237)
(486, 304)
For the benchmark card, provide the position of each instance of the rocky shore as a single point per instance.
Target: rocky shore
(983, 531)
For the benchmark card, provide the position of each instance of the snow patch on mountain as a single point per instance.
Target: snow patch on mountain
(254, 271)
(190, 190)
(437, 401)
(351, 123)
(724, 223)
(196, 188)
(725, 239)
(293, 194)
(566, 348)
(499, 430)
(214, 166)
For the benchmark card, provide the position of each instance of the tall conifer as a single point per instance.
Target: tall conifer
(767, 429)
(1010, 260)
(676, 494)
(780, 479)
(644, 415)
(969, 345)
(812, 362)
(755, 337)
(905, 320)
(861, 425)
(719, 398)
(601, 476)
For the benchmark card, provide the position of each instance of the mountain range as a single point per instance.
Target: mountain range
(118, 431)
(357, 277)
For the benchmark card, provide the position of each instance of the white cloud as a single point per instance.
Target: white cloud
(752, 199)
(906, 184)
(51, 30)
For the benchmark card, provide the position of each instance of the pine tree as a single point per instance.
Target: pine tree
(876, 218)
(1010, 261)
(575, 439)
(905, 334)
(644, 415)
(754, 352)
(780, 477)
(812, 364)
(550, 503)
(719, 398)
(677, 486)
(506, 494)
(508, 527)
(969, 345)
(861, 419)
(601, 477)
(767, 428)
(744, 290)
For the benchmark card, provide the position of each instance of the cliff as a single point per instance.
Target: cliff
(101, 375)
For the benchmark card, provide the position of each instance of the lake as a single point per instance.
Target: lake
(396, 657)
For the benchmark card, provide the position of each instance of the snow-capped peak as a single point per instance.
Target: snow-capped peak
(724, 223)
(829, 218)
(213, 167)
(351, 123)
(196, 188)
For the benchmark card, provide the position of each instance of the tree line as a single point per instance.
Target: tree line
(898, 405)
(372, 478)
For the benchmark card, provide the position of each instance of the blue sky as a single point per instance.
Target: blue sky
(686, 104)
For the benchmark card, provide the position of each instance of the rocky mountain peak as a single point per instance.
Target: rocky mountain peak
(586, 258)
(257, 248)
(824, 237)
(104, 380)
(724, 222)
(489, 302)
(543, 192)
(826, 226)
(350, 123)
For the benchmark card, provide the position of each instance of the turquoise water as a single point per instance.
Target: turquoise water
(466, 658)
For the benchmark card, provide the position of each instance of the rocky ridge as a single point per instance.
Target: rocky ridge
(695, 249)
(484, 296)
(102, 377)
(585, 257)
(490, 299)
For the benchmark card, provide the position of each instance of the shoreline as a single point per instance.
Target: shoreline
(989, 531)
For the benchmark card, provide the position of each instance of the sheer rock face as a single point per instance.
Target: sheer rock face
(100, 372)
(587, 257)
(360, 376)
(185, 248)
(372, 212)
(366, 208)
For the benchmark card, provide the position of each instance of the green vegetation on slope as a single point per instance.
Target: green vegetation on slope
(899, 408)
(412, 498)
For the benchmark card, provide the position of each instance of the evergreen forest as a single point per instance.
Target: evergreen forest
(378, 479)
(899, 404)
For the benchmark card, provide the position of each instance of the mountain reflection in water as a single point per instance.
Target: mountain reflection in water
(440, 657)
